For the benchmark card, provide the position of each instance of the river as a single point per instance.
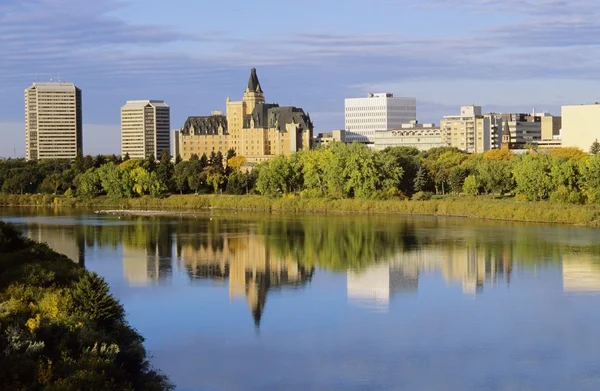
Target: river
(273, 302)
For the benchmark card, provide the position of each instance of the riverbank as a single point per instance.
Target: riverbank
(60, 328)
(469, 207)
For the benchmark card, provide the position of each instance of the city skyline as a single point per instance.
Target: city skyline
(541, 56)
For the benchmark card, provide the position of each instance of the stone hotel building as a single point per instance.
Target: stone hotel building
(254, 129)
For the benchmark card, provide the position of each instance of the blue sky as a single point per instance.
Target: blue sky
(506, 55)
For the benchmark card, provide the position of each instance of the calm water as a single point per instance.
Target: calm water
(254, 302)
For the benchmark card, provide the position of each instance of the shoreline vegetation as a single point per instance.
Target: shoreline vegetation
(485, 208)
(61, 329)
(560, 185)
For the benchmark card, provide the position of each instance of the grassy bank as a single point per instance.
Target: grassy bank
(60, 328)
(470, 207)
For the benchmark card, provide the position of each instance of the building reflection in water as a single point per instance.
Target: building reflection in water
(581, 274)
(251, 269)
(64, 239)
(375, 286)
(147, 253)
(471, 266)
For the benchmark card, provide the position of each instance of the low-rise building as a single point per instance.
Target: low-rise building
(324, 139)
(413, 134)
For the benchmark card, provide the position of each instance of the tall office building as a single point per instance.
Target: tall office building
(53, 124)
(382, 111)
(145, 128)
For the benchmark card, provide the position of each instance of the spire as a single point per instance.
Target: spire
(253, 83)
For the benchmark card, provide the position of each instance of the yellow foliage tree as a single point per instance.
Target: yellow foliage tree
(570, 153)
(499, 154)
(236, 162)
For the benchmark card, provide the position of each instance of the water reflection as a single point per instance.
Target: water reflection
(67, 240)
(581, 273)
(381, 257)
(535, 286)
(248, 264)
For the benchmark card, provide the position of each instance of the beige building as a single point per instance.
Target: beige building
(413, 134)
(470, 131)
(145, 128)
(176, 151)
(551, 125)
(53, 121)
(324, 139)
(580, 125)
(254, 129)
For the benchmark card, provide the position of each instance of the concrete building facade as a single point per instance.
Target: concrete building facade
(523, 128)
(413, 134)
(53, 121)
(378, 111)
(324, 139)
(470, 131)
(580, 125)
(145, 128)
(252, 128)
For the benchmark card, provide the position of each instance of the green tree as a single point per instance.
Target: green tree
(590, 185)
(180, 176)
(471, 186)
(203, 161)
(595, 147)
(390, 171)
(51, 183)
(115, 182)
(141, 181)
(439, 165)
(420, 181)
(494, 171)
(214, 177)
(532, 176)
(361, 172)
(88, 184)
(457, 178)
(165, 170)
(313, 170)
(410, 160)
(93, 301)
(149, 163)
(275, 177)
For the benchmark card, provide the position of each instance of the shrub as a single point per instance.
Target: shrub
(422, 196)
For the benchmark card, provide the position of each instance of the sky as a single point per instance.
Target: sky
(505, 55)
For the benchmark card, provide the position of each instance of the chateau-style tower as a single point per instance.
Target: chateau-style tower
(253, 94)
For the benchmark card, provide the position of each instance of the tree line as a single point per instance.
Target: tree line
(336, 171)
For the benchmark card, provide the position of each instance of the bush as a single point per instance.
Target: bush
(422, 196)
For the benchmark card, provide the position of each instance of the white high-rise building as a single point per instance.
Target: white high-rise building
(381, 111)
(53, 123)
(145, 128)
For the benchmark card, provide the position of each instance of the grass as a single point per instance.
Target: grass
(471, 207)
